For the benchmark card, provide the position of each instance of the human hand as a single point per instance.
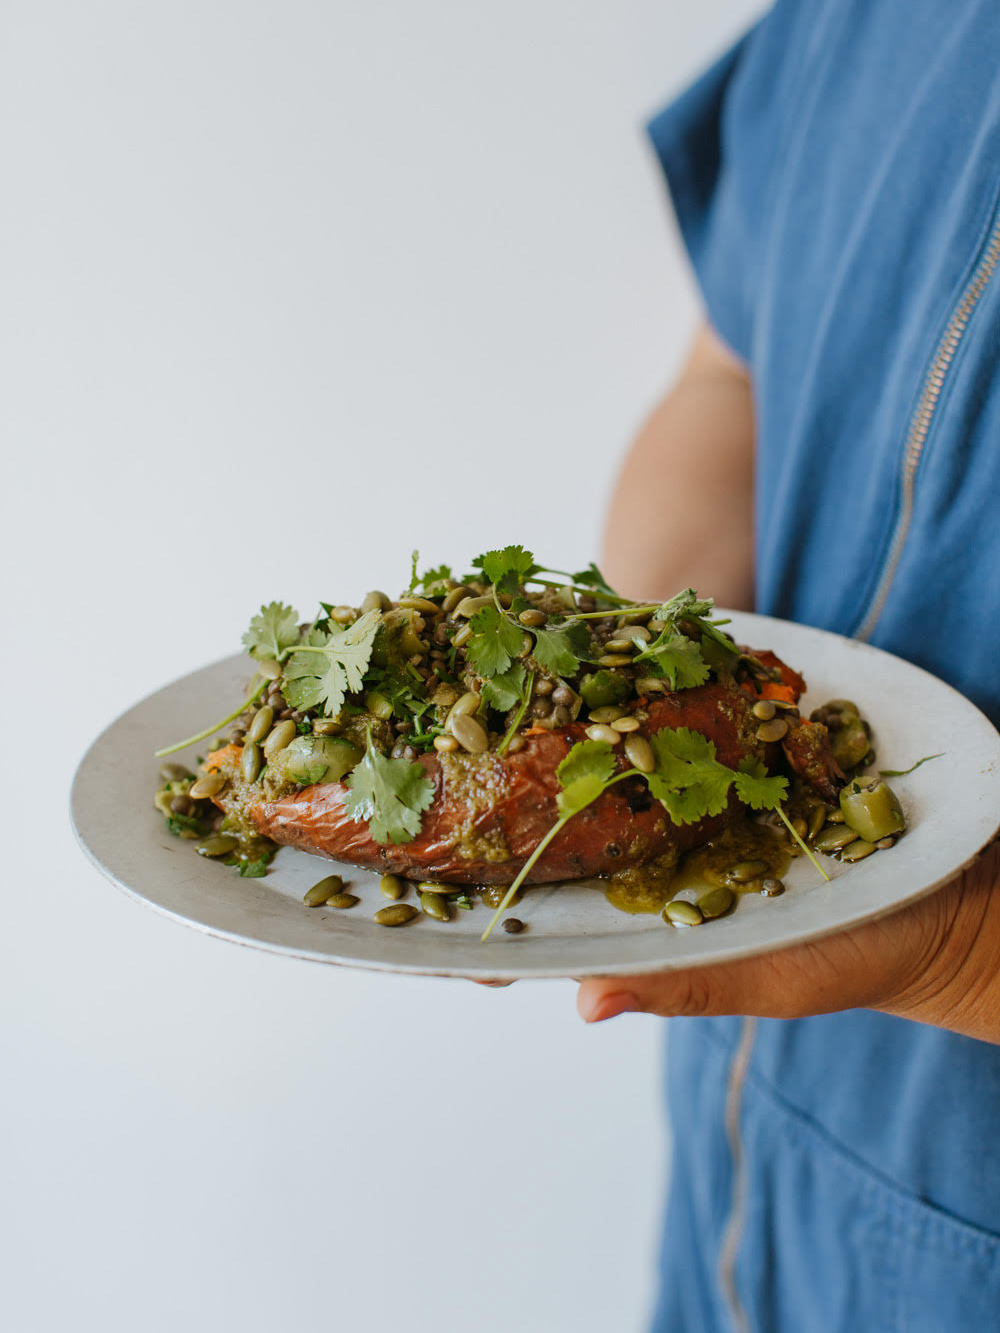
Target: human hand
(936, 961)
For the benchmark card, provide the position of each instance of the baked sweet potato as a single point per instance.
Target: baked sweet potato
(490, 811)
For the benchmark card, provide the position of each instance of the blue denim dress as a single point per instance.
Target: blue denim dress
(836, 178)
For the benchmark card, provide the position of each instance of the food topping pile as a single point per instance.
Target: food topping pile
(428, 735)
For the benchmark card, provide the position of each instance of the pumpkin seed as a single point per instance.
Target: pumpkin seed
(376, 600)
(717, 902)
(764, 709)
(775, 730)
(433, 904)
(533, 617)
(833, 837)
(341, 901)
(396, 915)
(217, 844)
(413, 602)
(174, 773)
(445, 744)
(600, 732)
(324, 890)
(261, 724)
(454, 597)
(744, 871)
(625, 724)
(280, 737)
(468, 606)
(640, 753)
(681, 913)
(884, 844)
(210, 784)
(162, 801)
(614, 660)
(619, 646)
(269, 668)
(857, 850)
(609, 713)
(466, 703)
(251, 762)
(393, 887)
(468, 732)
(817, 819)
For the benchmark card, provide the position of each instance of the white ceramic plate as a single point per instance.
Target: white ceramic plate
(952, 807)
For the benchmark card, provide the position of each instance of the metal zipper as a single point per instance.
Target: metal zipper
(733, 1235)
(922, 421)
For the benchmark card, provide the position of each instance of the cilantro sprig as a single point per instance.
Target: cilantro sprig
(330, 665)
(688, 780)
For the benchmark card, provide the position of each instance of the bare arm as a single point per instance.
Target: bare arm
(682, 511)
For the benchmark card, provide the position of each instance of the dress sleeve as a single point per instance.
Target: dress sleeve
(716, 146)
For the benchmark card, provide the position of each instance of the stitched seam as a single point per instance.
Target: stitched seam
(732, 1236)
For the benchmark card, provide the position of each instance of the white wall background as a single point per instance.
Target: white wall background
(287, 290)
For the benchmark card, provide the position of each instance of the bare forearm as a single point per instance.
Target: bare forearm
(682, 510)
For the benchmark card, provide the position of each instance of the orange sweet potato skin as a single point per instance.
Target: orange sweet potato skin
(490, 812)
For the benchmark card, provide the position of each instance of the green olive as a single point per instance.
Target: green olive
(850, 744)
(872, 811)
(311, 759)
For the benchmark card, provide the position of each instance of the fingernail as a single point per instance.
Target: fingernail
(610, 1006)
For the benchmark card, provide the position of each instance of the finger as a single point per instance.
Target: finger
(492, 983)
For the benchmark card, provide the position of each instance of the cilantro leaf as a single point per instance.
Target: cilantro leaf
(686, 605)
(591, 577)
(756, 788)
(433, 581)
(584, 775)
(504, 691)
(494, 644)
(560, 651)
(273, 630)
(689, 781)
(253, 869)
(676, 657)
(390, 794)
(507, 568)
(331, 666)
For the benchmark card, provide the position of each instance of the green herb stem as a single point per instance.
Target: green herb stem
(808, 853)
(231, 717)
(509, 895)
(511, 731)
(579, 588)
(904, 772)
(560, 823)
